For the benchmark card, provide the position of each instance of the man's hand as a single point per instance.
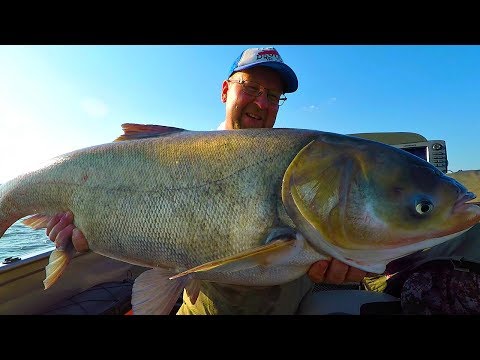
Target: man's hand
(334, 272)
(61, 230)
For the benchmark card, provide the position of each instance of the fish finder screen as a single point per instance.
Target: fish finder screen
(421, 152)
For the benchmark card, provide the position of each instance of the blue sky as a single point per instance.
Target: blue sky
(55, 99)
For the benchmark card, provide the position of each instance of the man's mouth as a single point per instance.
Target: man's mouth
(252, 120)
(253, 116)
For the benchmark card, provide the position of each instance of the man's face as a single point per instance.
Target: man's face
(247, 111)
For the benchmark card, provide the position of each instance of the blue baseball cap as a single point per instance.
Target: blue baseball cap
(270, 57)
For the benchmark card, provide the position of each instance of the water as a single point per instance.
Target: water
(22, 241)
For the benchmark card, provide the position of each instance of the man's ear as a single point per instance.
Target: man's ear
(223, 94)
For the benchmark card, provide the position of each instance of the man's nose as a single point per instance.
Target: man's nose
(262, 100)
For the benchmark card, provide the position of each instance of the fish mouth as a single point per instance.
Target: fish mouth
(464, 202)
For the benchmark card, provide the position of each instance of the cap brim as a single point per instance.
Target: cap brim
(286, 73)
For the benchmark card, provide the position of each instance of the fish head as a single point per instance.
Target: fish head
(367, 203)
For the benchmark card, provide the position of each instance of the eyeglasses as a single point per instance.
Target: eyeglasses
(254, 89)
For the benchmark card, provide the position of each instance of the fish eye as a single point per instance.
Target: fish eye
(423, 206)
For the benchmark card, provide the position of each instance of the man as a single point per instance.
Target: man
(252, 93)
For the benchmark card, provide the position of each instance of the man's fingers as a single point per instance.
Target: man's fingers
(64, 221)
(79, 241)
(336, 272)
(355, 275)
(64, 237)
(53, 221)
(317, 271)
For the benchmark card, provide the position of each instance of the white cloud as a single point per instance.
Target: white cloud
(311, 108)
(314, 108)
(94, 107)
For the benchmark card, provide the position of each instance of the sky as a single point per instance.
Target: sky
(59, 98)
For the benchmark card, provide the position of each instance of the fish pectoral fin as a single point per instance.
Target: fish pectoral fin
(57, 263)
(153, 293)
(37, 221)
(271, 253)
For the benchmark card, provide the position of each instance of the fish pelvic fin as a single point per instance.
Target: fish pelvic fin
(193, 290)
(140, 131)
(272, 253)
(57, 263)
(154, 294)
(37, 221)
(59, 259)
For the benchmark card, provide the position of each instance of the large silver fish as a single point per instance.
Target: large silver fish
(251, 207)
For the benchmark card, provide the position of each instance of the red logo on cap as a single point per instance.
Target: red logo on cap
(269, 55)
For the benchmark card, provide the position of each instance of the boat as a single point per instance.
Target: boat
(91, 285)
